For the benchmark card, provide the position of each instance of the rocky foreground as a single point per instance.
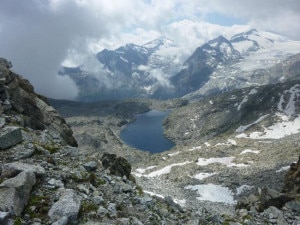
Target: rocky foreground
(50, 175)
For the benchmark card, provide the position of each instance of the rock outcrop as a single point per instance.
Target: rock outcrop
(17, 97)
(292, 179)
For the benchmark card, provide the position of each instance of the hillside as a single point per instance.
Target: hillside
(230, 165)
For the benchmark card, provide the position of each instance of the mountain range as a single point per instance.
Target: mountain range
(159, 69)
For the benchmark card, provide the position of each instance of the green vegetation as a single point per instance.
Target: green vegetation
(38, 207)
(86, 208)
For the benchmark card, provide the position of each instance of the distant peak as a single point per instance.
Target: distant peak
(156, 43)
(247, 33)
(217, 41)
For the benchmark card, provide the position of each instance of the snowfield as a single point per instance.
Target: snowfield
(213, 193)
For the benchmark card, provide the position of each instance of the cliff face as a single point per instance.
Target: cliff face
(18, 100)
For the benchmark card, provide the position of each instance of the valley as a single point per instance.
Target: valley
(234, 120)
(227, 146)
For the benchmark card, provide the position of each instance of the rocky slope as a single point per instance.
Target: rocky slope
(231, 155)
(228, 166)
(46, 179)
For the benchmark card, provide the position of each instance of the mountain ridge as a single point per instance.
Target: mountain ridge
(157, 68)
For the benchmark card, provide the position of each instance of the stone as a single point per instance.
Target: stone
(98, 200)
(275, 215)
(68, 206)
(2, 122)
(62, 221)
(10, 136)
(292, 179)
(90, 166)
(294, 206)
(56, 183)
(135, 221)
(271, 197)
(15, 192)
(112, 208)
(102, 211)
(4, 216)
(123, 221)
(16, 167)
(118, 166)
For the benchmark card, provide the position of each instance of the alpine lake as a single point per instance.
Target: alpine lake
(146, 132)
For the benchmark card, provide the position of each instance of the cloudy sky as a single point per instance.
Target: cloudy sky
(39, 35)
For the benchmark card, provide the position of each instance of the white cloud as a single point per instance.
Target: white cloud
(38, 35)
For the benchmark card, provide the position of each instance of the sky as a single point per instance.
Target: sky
(38, 36)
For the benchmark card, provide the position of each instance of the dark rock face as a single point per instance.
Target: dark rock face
(292, 179)
(117, 165)
(17, 96)
(10, 136)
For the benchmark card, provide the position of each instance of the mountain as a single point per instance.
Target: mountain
(199, 67)
(235, 159)
(160, 70)
(262, 54)
(129, 71)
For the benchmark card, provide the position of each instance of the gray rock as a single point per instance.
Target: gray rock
(275, 215)
(98, 200)
(126, 188)
(62, 221)
(90, 166)
(112, 208)
(2, 122)
(293, 205)
(15, 192)
(10, 136)
(123, 221)
(4, 216)
(135, 221)
(102, 211)
(16, 167)
(68, 206)
(56, 183)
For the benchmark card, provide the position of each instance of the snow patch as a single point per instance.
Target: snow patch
(165, 170)
(245, 99)
(213, 193)
(195, 148)
(231, 141)
(276, 131)
(249, 151)
(285, 168)
(224, 160)
(172, 154)
(201, 176)
(290, 107)
(181, 202)
(207, 144)
(243, 128)
(153, 194)
(123, 59)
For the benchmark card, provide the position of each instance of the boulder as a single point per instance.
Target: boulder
(67, 206)
(292, 179)
(15, 192)
(10, 136)
(11, 169)
(90, 166)
(118, 166)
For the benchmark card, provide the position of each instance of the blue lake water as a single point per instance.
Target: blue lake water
(146, 132)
